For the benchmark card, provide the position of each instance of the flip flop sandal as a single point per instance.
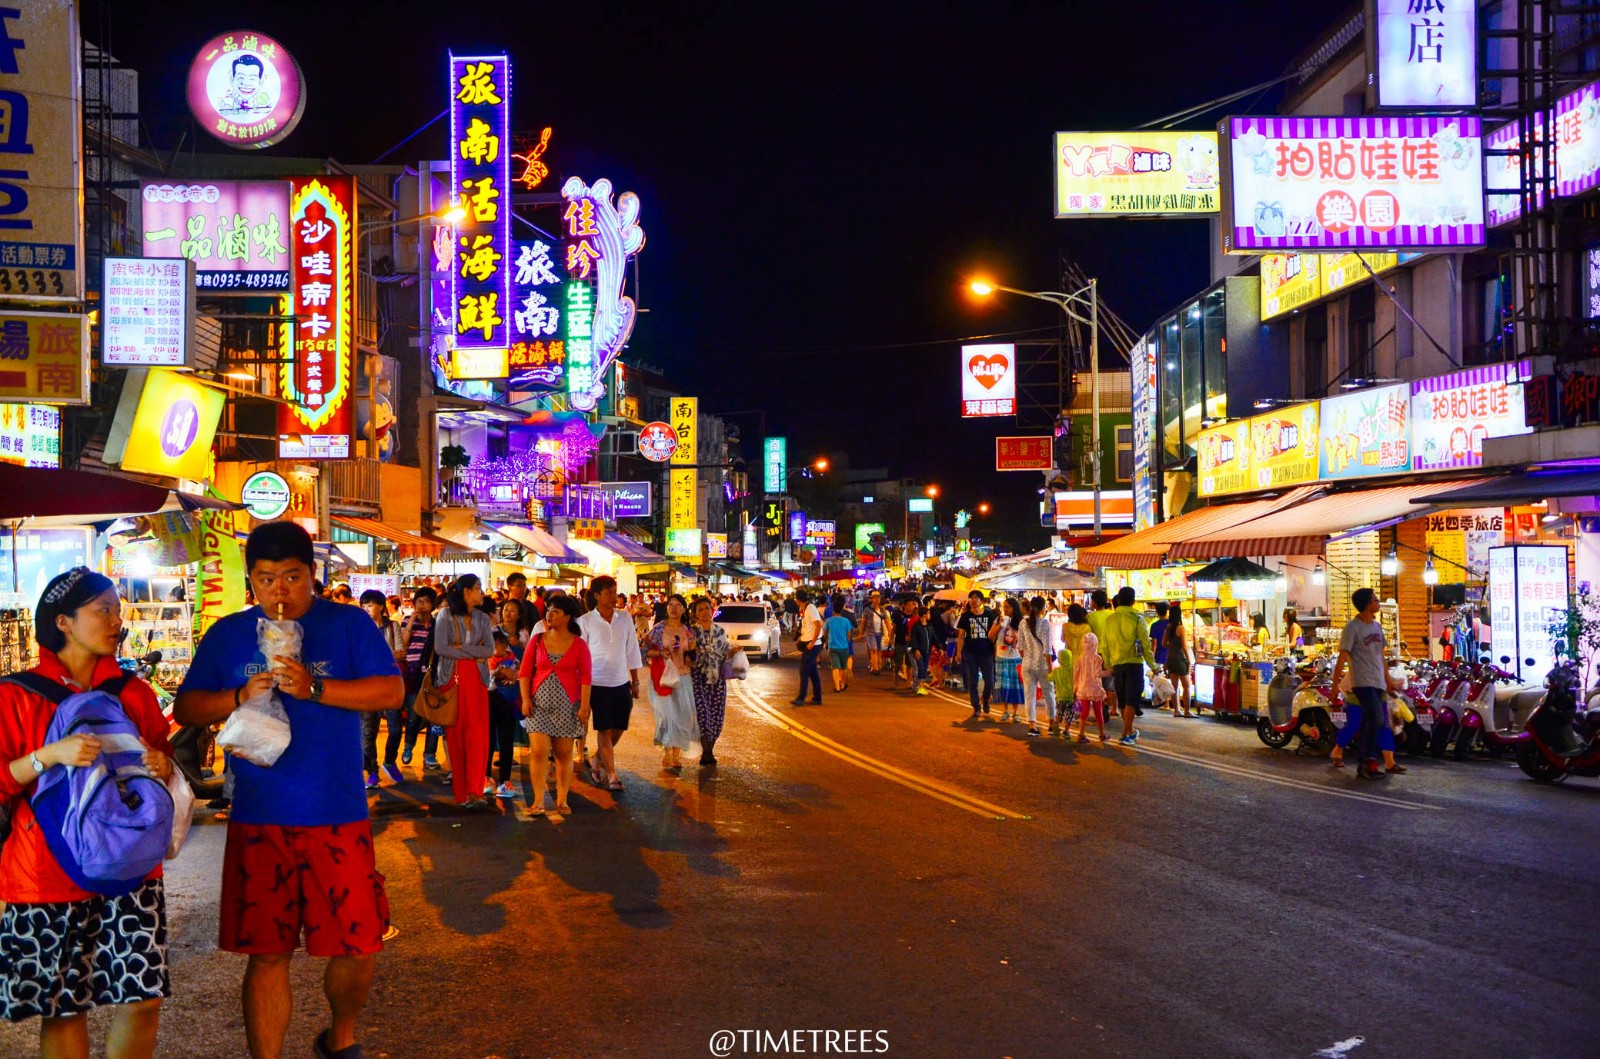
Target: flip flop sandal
(614, 785)
(537, 810)
(1336, 764)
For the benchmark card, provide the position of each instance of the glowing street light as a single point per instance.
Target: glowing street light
(820, 464)
(932, 491)
(980, 288)
(983, 507)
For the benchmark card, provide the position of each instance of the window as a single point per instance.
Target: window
(1125, 454)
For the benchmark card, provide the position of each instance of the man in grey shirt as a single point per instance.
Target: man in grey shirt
(1361, 647)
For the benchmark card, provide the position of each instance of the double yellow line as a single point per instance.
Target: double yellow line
(921, 784)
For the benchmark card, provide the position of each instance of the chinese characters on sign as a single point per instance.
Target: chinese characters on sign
(683, 501)
(149, 312)
(316, 374)
(173, 424)
(44, 357)
(1142, 361)
(716, 545)
(1134, 174)
(246, 90)
(1268, 451)
(1427, 53)
(480, 180)
(774, 464)
(683, 543)
(1357, 183)
(822, 531)
(30, 435)
(1577, 137)
(1023, 454)
(1451, 415)
(538, 355)
(657, 442)
(601, 237)
(235, 232)
(41, 179)
(988, 380)
(1367, 432)
(1528, 590)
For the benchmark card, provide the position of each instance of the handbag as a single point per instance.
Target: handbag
(440, 705)
(670, 676)
(736, 666)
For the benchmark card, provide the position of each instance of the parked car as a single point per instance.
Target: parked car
(752, 627)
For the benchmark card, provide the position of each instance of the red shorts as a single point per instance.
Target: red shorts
(279, 882)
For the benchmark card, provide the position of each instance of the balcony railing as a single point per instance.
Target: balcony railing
(353, 482)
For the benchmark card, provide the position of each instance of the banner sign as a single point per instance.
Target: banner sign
(1222, 458)
(1136, 174)
(1361, 183)
(1366, 433)
(1142, 361)
(44, 357)
(246, 89)
(1024, 453)
(41, 175)
(716, 545)
(148, 312)
(1529, 586)
(30, 435)
(683, 506)
(988, 380)
(601, 237)
(1268, 451)
(388, 584)
(629, 499)
(683, 542)
(1502, 181)
(1452, 414)
(221, 576)
(165, 425)
(1577, 137)
(480, 181)
(537, 360)
(774, 464)
(235, 231)
(1427, 53)
(316, 374)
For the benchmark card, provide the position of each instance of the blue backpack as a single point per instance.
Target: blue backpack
(107, 824)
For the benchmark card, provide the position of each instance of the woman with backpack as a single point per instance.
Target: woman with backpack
(66, 950)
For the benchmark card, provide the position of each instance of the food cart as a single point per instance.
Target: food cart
(1230, 665)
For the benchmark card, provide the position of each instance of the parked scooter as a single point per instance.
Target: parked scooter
(1496, 711)
(1562, 740)
(1448, 697)
(1411, 720)
(1300, 707)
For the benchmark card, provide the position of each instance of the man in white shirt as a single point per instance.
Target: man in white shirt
(810, 642)
(614, 665)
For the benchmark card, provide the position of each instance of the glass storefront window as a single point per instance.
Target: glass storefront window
(1169, 379)
(1214, 360)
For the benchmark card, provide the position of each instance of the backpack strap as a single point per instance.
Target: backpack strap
(42, 686)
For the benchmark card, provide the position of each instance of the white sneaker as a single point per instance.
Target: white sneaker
(505, 790)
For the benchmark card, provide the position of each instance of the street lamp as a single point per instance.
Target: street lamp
(447, 215)
(1065, 303)
(983, 507)
(819, 465)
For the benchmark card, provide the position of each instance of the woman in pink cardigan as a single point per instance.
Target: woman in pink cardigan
(555, 684)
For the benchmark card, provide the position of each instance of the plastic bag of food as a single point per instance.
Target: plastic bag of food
(258, 731)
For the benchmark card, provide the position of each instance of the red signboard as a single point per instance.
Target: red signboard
(1023, 454)
(316, 375)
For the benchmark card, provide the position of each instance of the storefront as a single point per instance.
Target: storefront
(635, 567)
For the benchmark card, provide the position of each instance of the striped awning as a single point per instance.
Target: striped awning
(1306, 528)
(540, 543)
(1154, 546)
(411, 545)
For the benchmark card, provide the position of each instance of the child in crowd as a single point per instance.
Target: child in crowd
(1063, 679)
(1091, 692)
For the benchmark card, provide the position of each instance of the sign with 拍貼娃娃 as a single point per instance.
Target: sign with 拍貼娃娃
(164, 425)
(246, 89)
(1148, 173)
(30, 435)
(148, 313)
(44, 357)
(1426, 53)
(480, 182)
(988, 380)
(316, 374)
(41, 171)
(1452, 415)
(1365, 433)
(774, 464)
(1352, 183)
(235, 231)
(600, 238)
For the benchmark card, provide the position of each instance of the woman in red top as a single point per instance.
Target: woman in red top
(555, 681)
(64, 950)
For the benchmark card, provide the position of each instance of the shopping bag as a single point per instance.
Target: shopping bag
(182, 810)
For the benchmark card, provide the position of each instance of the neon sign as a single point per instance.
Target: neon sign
(480, 183)
(315, 376)
(534, 169)
(538, 355)
(601, 237)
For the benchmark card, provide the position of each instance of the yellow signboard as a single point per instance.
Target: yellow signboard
(1163, 583)
(479, 363)
(44, 358)
(1289, 281)
(1344, 270)
(1449, 551)
(172, 428)
(1267, 451)
(682, 509)
(1136, 174)
(1224, 458)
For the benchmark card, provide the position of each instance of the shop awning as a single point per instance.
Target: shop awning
(1152, 547)
(628, 550)
(735, 570)
(39, 493)
(411, 545)
(453, 551)
(540, 543)
(1306, 528)
(1525, 488)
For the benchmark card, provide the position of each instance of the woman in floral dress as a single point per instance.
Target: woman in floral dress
(672, 640)
(710, 686)
(1008, 662)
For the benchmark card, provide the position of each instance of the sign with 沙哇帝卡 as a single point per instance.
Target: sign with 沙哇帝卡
(537, 359)
(41, 173)
(989, 380)
(30, 435)
(1352, 183)
(44, 357)
(148, 312)
(235, 231)
(316, 374)
(1451, 415)
(774, 464)
(1148, 173)
(480, 182)
(1365, 433)
(601, 237)
(246, 89)
(1426, 53)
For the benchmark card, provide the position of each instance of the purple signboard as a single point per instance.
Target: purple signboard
(480, 181)
(1578, 141)
(632, 499)
(1451, 415)
(1353, 183)
(235, 231)
(1503, 172)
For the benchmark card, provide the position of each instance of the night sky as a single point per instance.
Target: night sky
(817, 182)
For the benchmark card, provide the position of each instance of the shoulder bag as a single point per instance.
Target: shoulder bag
(438, 705)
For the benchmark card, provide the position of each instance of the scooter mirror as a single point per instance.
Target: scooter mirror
(1529, 662)
(1505, 660)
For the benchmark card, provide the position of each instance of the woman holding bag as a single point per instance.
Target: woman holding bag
(556, 684)
(464, 633)
(670, 643)
(710, 681)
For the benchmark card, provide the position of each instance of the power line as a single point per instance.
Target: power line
(831, 351)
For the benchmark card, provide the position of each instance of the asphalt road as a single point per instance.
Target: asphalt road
(959, 890)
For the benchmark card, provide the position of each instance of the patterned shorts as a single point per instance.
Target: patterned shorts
(280, 882)
(65, 958)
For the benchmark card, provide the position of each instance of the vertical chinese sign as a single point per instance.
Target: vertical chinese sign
(480, 181)
(1427, 53)
(681, 507)
(601, 237)
(316, 374)
(775, 461)
(41, 181)
(1143, 361)
(538, 355)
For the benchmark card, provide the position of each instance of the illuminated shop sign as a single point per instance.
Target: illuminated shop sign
(1365, 433)
(315, 377)
(480, 182)
(537, 359)
(988, 380)
(1136, 174)
(1427, 53)
(775, 461)
(601, 237)
(245, 89)
(1451, 415)
(148, 312)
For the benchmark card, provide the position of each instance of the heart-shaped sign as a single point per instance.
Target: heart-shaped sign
(990, 369)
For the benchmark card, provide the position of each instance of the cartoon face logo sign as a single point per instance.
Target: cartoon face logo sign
(246, 89)
(657, 442)
(179, 427)
(989, 369)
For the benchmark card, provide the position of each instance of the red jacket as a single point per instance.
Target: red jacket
(573, 670)
(28, 870)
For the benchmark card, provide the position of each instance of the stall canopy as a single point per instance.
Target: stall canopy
(629, 551)
(1306, 528)
(411, 545)
(39, 493)
(453, 551)
(1152, 547)
(1229, 570)
(1519, 488)
(1031, 577)
(540, 543)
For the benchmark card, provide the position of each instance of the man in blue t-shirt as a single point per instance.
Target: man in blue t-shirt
(838, 630)
(299, 855)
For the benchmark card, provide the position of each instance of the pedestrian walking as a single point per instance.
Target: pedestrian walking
(555, 685)
(1099, 614)
(839, 631)
(517, 620)
(976, 631)
(809, 640)
(1033, 645)
(615, 662)
(376, 604)
(299, 855)
(1008, 661)
(1158, 634)
(710, 683)
(463, 633)
(417, 635)
(672, 642)
(1361, 650)
(921, 646)
(1089, 669)
(1178, 660)
(63, 949)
